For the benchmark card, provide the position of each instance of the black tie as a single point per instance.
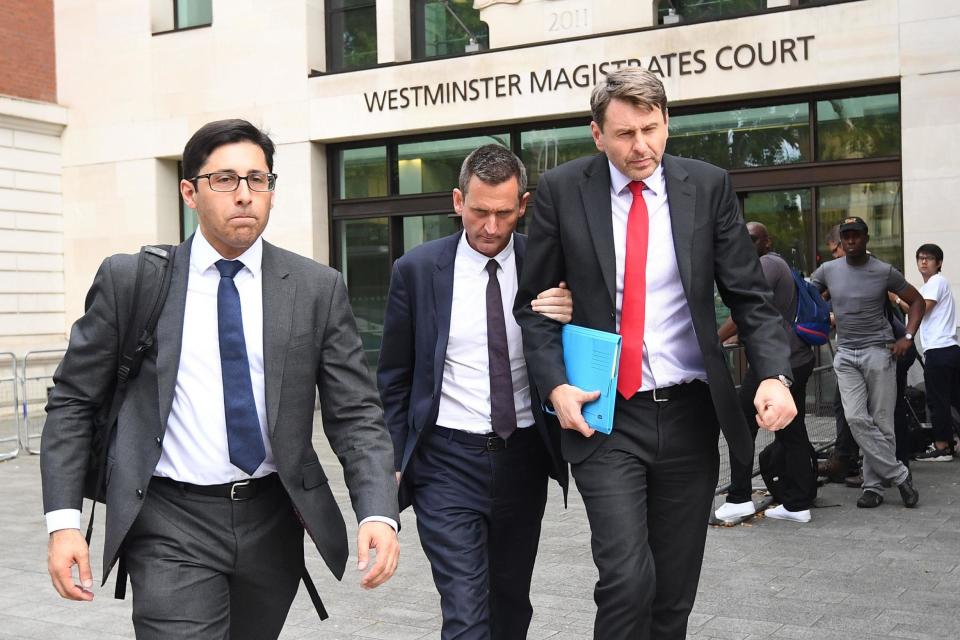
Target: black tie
(503, 413)
(244, 438)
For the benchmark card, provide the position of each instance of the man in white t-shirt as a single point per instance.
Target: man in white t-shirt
(941, 352)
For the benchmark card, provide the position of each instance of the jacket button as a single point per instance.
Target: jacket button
(140, 493)
(158, 441)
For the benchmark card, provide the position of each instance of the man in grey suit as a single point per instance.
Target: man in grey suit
(212, 478)
(641, 237)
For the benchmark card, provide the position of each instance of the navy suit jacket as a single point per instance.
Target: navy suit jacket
(415, 333)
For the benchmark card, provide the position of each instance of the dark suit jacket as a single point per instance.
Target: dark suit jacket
(415, 333)
(310, 343)
(571, 238)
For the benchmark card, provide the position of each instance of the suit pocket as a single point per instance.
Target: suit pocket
(300, 340)
(313, 475)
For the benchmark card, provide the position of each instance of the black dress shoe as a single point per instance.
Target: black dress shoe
(908, 493)
(869, 500)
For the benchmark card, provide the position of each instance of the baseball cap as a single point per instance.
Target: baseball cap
(853, 223)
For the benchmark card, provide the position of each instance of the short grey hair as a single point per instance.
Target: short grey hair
(637, 86)
(494, 164)
(833, 236)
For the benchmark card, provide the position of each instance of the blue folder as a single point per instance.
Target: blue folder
(592, 360)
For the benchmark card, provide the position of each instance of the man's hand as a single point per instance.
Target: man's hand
(66, 548)
(900, 347)
(382, 537)
(555, 303)
(568, 401)
(775, 407)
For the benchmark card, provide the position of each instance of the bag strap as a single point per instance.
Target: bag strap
(135, 343)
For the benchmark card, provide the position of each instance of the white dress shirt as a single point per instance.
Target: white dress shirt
(671, 353)
(465, 391)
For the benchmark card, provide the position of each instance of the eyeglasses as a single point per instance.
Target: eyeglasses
(226, 181)
(926, 259)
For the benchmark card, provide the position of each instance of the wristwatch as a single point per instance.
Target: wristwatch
(908, 336)
(784, 380)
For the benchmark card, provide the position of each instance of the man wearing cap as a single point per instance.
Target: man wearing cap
(866, 351)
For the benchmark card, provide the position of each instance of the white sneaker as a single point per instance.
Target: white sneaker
(731, 511)
(782, 513)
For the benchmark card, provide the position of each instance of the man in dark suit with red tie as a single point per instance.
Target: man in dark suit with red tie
(472, 447)
(641, 237)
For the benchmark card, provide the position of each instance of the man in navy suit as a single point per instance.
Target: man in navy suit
(472, 447)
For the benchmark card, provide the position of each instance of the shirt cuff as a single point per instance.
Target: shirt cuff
(63, 519)
(389, 521)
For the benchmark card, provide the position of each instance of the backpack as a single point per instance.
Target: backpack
(812, 324)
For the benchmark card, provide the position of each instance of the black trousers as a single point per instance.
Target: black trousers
(800, 478)
(941, 376)
(212, 568)
(478, 516)
(901, 414)
(648, 490)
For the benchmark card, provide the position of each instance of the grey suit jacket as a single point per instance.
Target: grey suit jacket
(571, 238)
(310, 343)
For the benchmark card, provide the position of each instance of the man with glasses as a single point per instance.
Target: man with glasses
(212, 477)
(941, 352)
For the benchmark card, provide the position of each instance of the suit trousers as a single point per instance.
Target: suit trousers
(212, 568)
(648, 490)
(478, 516)
(799, 481)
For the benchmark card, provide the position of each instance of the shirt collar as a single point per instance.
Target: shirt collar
(203, 255)
(477, 259)
(619, 182)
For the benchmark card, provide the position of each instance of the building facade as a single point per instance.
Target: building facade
(819, 108)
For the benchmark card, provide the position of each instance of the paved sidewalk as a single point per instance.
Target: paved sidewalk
(850, 574)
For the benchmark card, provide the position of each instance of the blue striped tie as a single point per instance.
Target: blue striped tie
(244, 438)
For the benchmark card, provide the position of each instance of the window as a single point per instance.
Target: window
(788, 216)
(351, 34)
(442, 28)
(429, 167)
(363, 172)
(177, 15)
(747, 137)
(880, 204)
(192, 13)
(544, 149)
(365, 264)
(861, 127)
(702, 10)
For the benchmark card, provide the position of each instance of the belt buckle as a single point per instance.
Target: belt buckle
(495, 443)
(656, 399)
(233, 490)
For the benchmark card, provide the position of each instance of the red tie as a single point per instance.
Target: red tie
(634, 295)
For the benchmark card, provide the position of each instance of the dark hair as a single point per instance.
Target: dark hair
(932, 250)
(213, 135)
(493, 164)
(639, 87)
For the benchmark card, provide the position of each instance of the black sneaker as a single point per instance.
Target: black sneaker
(933, 454)
(908, 493)
(870, 499)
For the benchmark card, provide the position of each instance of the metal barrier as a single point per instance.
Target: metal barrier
(38, 367)
(9, 414)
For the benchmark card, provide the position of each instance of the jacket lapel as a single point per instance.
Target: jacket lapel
(443, 296)
(279, 293)
(682, 198)
(595, 195)
(170, 331)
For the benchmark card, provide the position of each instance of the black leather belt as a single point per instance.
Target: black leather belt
(240, 490)
(488, 441)
(674, 392)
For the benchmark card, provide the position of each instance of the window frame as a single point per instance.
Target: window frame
(328, 13)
